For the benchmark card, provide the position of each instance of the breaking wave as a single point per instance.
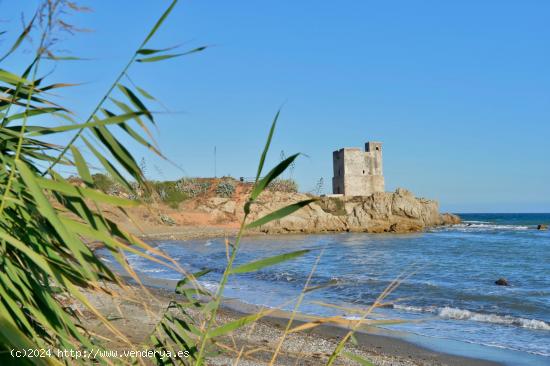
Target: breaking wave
(461, 314)
(487, 226)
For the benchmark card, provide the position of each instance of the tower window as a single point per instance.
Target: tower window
(363, 172)
(377, 148)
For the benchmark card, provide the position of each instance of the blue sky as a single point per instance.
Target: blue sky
(459, 92)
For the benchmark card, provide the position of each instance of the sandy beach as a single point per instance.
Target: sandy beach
(256, 343)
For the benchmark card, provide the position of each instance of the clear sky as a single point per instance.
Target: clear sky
(459, 92)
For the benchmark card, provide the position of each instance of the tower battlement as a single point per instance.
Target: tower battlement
(357, 172)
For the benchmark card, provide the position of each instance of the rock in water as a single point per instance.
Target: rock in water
(502, 282)
(451, 219)
(542, 227)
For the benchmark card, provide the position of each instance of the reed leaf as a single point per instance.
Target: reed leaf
(360, 360)
(272, 175)
(159, 22)
(280, 213)
(233, 325)
(267, 145)
(169, 56)
(266, 262)
(150, 51)
(97, 123)
(20, 39)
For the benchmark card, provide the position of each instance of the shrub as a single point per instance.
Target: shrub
(283, 185)
(102, 182)
(225, 188)
(192, 187)
(169, 193)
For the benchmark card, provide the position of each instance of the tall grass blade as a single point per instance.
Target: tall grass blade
(233, 325)
(169, 56)
(82, 167)
(272, 175)
(20, 39)
(266, 262)
(360, 360)
(267, 144)
(160, 21)
(280, 213)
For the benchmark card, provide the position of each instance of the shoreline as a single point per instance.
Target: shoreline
(310, 347)
(377, 346)
(391, 349)
(221, 232)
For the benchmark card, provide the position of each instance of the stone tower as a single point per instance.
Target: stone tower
(358, 172)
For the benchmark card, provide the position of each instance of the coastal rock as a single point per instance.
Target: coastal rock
(450, 219)
(396, 212)
(542, 227)
(502, 282)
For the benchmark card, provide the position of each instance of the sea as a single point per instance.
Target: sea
(446, 298)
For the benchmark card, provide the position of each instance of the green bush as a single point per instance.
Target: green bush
(192, 187)
(169, 193)
(225, 188)
(102, 182)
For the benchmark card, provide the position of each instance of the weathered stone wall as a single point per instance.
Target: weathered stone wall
(373, 154)
(338, 172)
(357, 172)
(374, 184)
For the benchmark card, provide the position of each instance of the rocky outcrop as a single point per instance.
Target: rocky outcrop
(450, 219)
(381, 212)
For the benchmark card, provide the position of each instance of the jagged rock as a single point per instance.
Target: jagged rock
(542, 227)
(502, 282)
(450, 219)
(403, 192)
(403, 227)
(397, 212)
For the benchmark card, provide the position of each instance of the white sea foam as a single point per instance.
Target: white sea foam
(479, 226)
(413, 309)
(153, 270)
(209, 285)
(461, 314)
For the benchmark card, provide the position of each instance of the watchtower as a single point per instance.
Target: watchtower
(357, 172)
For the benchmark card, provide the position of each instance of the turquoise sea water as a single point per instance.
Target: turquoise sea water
(448, 292)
